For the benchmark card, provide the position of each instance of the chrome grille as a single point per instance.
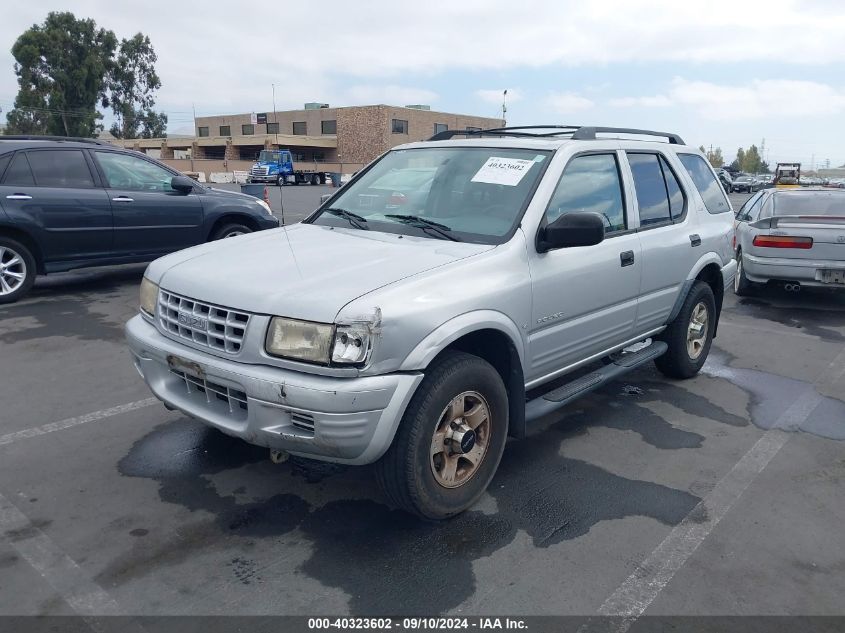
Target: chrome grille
(217, 396)
(202, 323)
(258, 171)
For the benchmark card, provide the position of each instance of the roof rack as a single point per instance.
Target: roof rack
(36, 137)
(575, 132)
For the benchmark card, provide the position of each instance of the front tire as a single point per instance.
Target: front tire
(230, 230)
(450, 440)
(690, 334)
(17, 270)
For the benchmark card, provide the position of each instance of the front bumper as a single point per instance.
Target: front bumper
(353, 419)
(267, 178)
(805, 271)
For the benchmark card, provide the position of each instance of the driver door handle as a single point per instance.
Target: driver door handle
(18, 196)
(626, 258)
(122, 199)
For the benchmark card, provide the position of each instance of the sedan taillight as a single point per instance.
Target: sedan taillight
(783, 241)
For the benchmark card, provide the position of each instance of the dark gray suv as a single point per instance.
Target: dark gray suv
(74, 203)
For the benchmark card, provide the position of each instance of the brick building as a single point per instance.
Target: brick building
(320, 137)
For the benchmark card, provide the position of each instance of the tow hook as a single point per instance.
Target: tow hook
(278, 456)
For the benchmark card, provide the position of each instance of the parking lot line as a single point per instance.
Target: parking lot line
(61, 572)
(639, 590)
(67, 423)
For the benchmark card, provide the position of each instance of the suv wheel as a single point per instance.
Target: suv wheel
(230, 230)
(690, 334)
(17, 270)
(450, 440)
(742, 287)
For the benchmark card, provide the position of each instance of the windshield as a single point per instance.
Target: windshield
(268, 157)
(810, 203)
(477, 194)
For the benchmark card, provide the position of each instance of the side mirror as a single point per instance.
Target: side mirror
(571, 229)
(182, 184)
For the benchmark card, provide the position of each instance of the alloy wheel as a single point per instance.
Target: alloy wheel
(12, 270)
(461, 439)
(697, 330)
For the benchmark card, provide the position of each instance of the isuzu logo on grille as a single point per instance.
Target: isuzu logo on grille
(193, 321)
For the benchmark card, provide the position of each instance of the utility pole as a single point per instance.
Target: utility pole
(275, 116)
(196, 134)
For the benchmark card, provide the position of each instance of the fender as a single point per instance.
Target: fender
(453, 329)
(704, 260)
(450, 331)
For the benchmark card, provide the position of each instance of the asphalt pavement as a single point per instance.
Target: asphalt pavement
(717, 495)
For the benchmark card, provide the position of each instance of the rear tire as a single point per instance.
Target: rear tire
(17, 270)
(230, 230)
(417, 472)
(315, 179)
(690, 334)
(742, 287)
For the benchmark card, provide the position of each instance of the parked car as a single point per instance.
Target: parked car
(725, 179)
(792, 236)
(744, 184)
(75, 203)
(525, 272)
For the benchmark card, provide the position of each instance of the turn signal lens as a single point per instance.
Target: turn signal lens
(783, 241)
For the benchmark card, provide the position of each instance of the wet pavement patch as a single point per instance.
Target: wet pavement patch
(383, 558)
(771, 395)
(818, 321)
(64, 317)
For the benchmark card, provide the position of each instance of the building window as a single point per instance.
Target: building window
(399, 126)
(247, 129)
(440, 127)
(300, 128)
(225, 130)
(272, 128)
(328, 127)
(473, 129)
(202, 131)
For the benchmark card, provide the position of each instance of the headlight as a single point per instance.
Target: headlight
(301, 340)
(265, 206)
(149, 296)
(351, 344)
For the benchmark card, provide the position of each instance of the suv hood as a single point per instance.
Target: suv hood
(303, 271)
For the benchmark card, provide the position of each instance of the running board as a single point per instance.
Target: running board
(557, 398)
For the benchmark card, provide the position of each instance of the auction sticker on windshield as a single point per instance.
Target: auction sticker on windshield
(503, 171)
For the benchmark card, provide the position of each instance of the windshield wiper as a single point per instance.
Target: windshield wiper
(359, 222)
(424, 223)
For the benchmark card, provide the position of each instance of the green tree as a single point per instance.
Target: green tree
(714, 156)
(62, 66)
(132, 87)
(738, 162)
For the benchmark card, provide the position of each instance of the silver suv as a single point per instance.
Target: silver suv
(453, 292)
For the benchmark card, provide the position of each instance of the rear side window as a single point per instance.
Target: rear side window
(673, 190)
(4, 161)
(652, 199)
(60, 168)
(19, 172)
(590, 183)
(706, 183)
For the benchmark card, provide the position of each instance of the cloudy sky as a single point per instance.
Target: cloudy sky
(722, 73)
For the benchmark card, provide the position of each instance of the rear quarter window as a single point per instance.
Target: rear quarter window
(707, 184)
